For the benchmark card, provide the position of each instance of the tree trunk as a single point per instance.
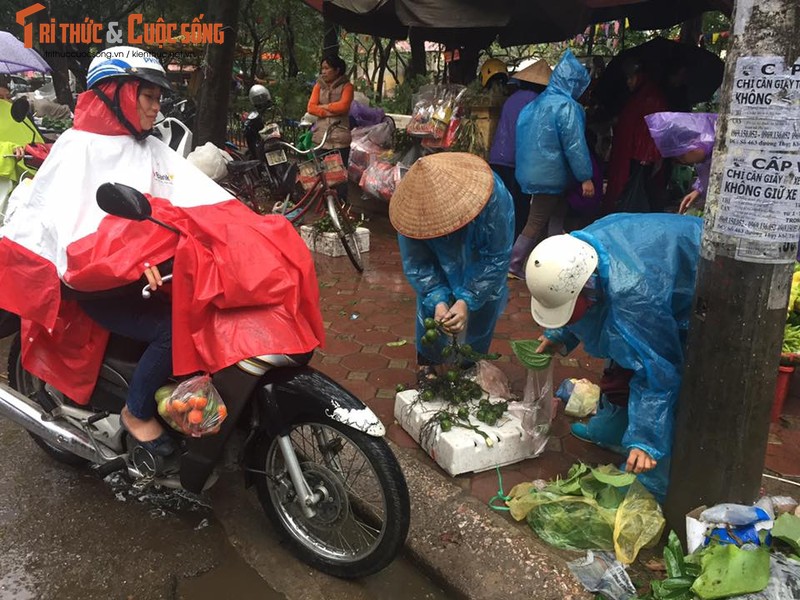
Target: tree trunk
(330, 40)
(291, 57)
(212, 108)
(691, 31)
(419, 64)
(745, 268)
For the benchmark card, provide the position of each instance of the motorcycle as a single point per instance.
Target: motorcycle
(313, 451)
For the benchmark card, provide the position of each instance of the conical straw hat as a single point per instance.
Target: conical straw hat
(440, 194)
(539, 72)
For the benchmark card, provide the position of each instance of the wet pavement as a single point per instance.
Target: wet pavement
(67, 535)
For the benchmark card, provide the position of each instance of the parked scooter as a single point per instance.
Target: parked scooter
(315, 453)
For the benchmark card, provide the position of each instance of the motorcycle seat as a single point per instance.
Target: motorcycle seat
(242, 166)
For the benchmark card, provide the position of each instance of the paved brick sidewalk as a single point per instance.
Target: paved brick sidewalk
(363, 314)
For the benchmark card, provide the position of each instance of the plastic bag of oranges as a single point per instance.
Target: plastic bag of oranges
(193, 407)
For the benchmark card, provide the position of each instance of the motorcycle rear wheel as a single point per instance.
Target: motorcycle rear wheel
(27, 385)
(351, 536)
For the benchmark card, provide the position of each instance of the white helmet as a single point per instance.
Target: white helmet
(126, 61)
(557, 270)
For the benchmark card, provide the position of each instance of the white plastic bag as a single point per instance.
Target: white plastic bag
(583, 399)
(536, 408)
(210, 160)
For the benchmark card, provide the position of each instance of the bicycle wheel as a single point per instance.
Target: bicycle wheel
(346, 229)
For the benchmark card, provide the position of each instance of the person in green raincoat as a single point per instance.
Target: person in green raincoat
(14, 137)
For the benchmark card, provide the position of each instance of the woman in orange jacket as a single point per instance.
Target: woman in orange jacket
(330, 101)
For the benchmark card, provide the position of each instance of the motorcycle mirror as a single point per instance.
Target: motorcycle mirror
(123, 201)
(19, 109)
(126, 202)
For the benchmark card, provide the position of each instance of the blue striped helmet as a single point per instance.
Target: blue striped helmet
(126, 61)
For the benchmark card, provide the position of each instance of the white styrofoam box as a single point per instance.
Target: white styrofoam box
(462, 450)
(328, 243)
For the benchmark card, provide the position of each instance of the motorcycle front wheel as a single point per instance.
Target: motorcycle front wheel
(362, 522)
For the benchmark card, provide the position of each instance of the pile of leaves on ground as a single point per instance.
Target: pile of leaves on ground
(599, 508)
(769, 570)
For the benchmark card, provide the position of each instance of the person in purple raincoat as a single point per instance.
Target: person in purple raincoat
(689, 139)
(528, 84)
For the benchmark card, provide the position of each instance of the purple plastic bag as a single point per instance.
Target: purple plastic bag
(676, 133)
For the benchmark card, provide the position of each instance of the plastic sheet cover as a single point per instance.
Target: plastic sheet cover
(552, 152)
(470, 264)
(647, 267)
(676, 133)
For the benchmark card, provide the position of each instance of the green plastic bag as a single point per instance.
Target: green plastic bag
(304, 141)
(573, 523)
(638, 524)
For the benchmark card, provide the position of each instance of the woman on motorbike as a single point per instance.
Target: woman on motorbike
(233, 273)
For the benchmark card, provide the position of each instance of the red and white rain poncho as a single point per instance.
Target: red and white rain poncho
(244, 285)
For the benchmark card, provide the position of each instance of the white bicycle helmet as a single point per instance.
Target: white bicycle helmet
(126, 61)
(556, 272)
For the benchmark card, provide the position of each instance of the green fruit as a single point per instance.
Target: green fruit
(426, 396)
(447, 351)
(463, 412)
(399, 388)
(431, 335)
(452, 376)
(466, 349)
(430, 323)
(446, 425)
(165, 391)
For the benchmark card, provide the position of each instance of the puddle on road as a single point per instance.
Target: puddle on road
(16, 585)
(231, 578)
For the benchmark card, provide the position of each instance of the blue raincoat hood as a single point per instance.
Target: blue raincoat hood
(552, 153)
(569, 77)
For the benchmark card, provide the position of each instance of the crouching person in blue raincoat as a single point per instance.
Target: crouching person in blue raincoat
(624, 287)
(455, 223)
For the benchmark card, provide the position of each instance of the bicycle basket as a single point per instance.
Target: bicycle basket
(307, 174)
(335, 171)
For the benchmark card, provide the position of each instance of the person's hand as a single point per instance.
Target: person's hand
(639, 461)
(456, 318)
(587, 189)
(688, 200)
(440, 312)
(19, 152)
(547, 346)
(153, 277)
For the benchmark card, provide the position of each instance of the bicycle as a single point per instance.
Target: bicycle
(320, 197)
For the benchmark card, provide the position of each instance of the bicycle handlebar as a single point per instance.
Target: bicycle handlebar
(334, 125)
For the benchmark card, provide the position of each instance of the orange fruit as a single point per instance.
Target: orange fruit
(198, 402)
(195, 417)
(222, 412)
(180, 405)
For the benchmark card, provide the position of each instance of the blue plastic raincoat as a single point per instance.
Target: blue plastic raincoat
(470, 264)
(646, 274)
(551, 145)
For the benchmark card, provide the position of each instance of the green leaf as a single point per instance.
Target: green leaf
(527, 355)
(397, 343)
(611, 475)
(787, 529)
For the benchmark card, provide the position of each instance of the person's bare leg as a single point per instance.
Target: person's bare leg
(143, 430)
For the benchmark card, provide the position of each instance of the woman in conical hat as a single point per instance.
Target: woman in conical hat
(455, 223)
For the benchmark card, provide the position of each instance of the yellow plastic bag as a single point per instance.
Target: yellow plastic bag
(638, 524)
